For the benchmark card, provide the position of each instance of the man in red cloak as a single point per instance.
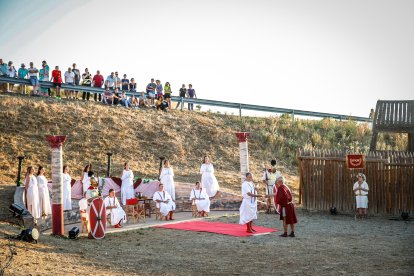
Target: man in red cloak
(288, 213)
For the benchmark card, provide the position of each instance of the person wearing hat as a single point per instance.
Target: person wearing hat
(361, 193)
(23, 74)
(269, 179)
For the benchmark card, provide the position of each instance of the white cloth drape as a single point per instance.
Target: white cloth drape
(67, 192)
(202, 204)
(44, 199)
(117, 214)
(86, 181)
(361, 198)
(33, 204)
(165, 208)
(248, 208)
(208, 180)
(127, 187)
(166, 178)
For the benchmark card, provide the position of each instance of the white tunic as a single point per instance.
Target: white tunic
(127, 187)
(248, 208)
(33, 204)
(67, 192)
(202, 200)
(361, 196)
(166, 178)
(83, 206)
(117, 214)
(271, 180)
(86, 181)
(208, 180)
(44, 198)
(165, 208)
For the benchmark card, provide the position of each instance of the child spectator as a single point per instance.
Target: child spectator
(159, 88)
(183, 92)
(11, 73)
(116, 97)
(124, 100)
(125, 83)
(57, 81)
(361, 192)
(23, 74)
(161, 104)
(143, 100)
(133, 85)
(133, 101)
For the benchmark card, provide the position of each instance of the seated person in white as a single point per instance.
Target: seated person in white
(164, 202)
(201, 199)
(83, 206)
(112, 207)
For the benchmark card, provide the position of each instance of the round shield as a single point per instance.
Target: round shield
(277, 206)
(97, 218)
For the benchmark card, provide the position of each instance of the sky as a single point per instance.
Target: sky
(317, 55)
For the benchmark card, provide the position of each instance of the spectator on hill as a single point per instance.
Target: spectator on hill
(151, 91)
(69, 78)
(117, 97)
(97, 81)
(183, 92)
(44, 77)
(167, 93)
(159, 88)
(107, 97)
(125, 83)
(23, 74)
(124, 100)
(11, 73)
(143, 100)
(76, 80)
(133, 85)
(133, 101)
(161, 104)
(47, 69)
(118, 82)
(86, 81)
(33, 78)
(3, 72)
(57, 81)
(191, 94)
(110, 81)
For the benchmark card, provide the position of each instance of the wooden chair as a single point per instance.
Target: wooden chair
(131, 207)
(108, 220)
(84, 222)
(140, 211)
(194, 212)
(158, 214)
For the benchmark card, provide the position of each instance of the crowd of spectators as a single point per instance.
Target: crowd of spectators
(159, 95)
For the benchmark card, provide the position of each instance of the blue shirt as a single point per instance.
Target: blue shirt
(4, 68)
(111, 81)
(23, 73)
(125, 85)
(153, 85)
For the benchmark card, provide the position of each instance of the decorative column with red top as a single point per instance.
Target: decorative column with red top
(244, 154)
(57, 184)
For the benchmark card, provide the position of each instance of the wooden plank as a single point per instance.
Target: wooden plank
(340, 158)
(392, 121)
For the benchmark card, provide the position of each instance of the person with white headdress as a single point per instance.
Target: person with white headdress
(44, 199)
(112, 207)
(32, 194)
(127, 187)
(85, 179)
(166, 178)
(208, 180)
(248, 208)
(67, 189)
(361, 193)
(201, 199)
(164, 202)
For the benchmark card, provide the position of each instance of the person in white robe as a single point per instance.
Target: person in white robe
(127, 187)
(164, 202)
(201, 199)
(44, 198)
(248, 208)
(83, 207)
(114, 208)
(32, 194)
(166, 178)
(67, 189)
(85, 179)
(208, 180)
(269, 178)
(361, 194)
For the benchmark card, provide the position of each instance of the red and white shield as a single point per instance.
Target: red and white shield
(277, 206)
(97, 218)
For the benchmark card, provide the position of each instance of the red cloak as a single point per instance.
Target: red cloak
(284, 199)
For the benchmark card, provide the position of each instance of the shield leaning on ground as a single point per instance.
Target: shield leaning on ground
(277, 206)
(97, 218)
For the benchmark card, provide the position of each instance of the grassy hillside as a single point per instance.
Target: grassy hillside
(141, 136)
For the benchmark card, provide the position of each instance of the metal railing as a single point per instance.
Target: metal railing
(239, 106)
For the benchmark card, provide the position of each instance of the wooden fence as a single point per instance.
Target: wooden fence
(325, 181)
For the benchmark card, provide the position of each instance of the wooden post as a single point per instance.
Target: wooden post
(19, 170)
(244, 154)
(109, 164)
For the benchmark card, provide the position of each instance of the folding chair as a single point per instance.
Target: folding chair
(84, 222)
(193, 208)
(131, 207)
(108, 219)
(158, 214)
(140, 212)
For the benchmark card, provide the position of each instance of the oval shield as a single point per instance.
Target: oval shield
(97, 218)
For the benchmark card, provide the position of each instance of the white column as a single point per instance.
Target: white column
(244, 154)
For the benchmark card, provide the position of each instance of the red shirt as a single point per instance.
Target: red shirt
(98, 80)
(57, 74)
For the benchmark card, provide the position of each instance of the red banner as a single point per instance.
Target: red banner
(355, 161)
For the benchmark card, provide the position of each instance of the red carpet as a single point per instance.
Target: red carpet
(217, 227)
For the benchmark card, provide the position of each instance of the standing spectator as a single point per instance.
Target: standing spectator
(161, 104)
(43, 76)
(125, 83)
(124, 100)
(97, 81)
(87, 81)
(69, 78)
(183, 92)
(76, 80)
(47, 69)
(167, 93)
(191, 94)
(133, 85)
(23, 74)
(57, 81)
(11, 73)
(159, 88)
(33, 78)
(151, 91)
(107, 97)
(118, 83)
(110, 81)
(3, 72)
(116, 97)
(143, 100)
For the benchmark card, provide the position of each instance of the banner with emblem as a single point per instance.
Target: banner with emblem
(355, 161)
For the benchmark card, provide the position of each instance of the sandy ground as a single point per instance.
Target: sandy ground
(325, 245)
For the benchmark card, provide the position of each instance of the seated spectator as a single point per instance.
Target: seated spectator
(43, 76)
(133, 101)
(107, 97)
(191, 94)
(57, 81)
(133, 85)
(143, 100)
(117, 97)
(3, 72)
(87, 81)
(97, 81)
(69, 79)
(161, 104)
(125, 83)
(124, 100)
(110, 81)
(183, 92)
(33, 78)
(11, 73)
(23, 74)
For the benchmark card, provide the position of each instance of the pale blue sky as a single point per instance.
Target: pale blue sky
(327, 56)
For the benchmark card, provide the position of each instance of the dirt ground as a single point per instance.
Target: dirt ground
(325, 245)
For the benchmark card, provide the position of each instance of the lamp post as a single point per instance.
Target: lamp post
(161, 158)
(19, 170)
(109, 163)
